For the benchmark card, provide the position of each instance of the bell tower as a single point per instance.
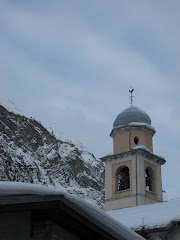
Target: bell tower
(133, 172)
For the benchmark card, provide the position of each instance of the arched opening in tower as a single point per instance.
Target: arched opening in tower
(136, 140)
(149, 175)
(122, 177)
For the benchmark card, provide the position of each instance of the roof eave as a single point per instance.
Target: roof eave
(79, 209)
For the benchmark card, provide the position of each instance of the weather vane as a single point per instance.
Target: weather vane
(131, 97)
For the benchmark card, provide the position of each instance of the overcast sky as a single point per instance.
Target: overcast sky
(71, 63)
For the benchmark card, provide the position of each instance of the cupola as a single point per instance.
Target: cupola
(132, 128)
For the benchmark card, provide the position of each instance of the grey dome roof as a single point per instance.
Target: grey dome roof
(131, 114)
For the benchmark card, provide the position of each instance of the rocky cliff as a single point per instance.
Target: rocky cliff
(30, 153)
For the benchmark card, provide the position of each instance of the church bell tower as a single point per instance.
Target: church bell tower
(133, 172)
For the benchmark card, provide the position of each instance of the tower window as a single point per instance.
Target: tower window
(136, 140)
(149, 176)
(122, 177)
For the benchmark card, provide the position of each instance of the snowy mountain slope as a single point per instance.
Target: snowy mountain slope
(30, 153)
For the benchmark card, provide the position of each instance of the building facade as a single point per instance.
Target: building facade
(32, 212)
(133, 172)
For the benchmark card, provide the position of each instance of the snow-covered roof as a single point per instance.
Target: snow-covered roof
(142, 147)
(133, 125)
(139, 124)
(93, 214)
(157, 215)
(131, 114)
(139, 148)
(21, 188)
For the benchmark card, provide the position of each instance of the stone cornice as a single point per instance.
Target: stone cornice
(142, 127)
(133, 195)
(147, 154)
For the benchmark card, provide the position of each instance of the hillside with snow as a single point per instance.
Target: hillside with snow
(30, 153)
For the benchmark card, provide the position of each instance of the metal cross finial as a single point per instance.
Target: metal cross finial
(131, 97)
